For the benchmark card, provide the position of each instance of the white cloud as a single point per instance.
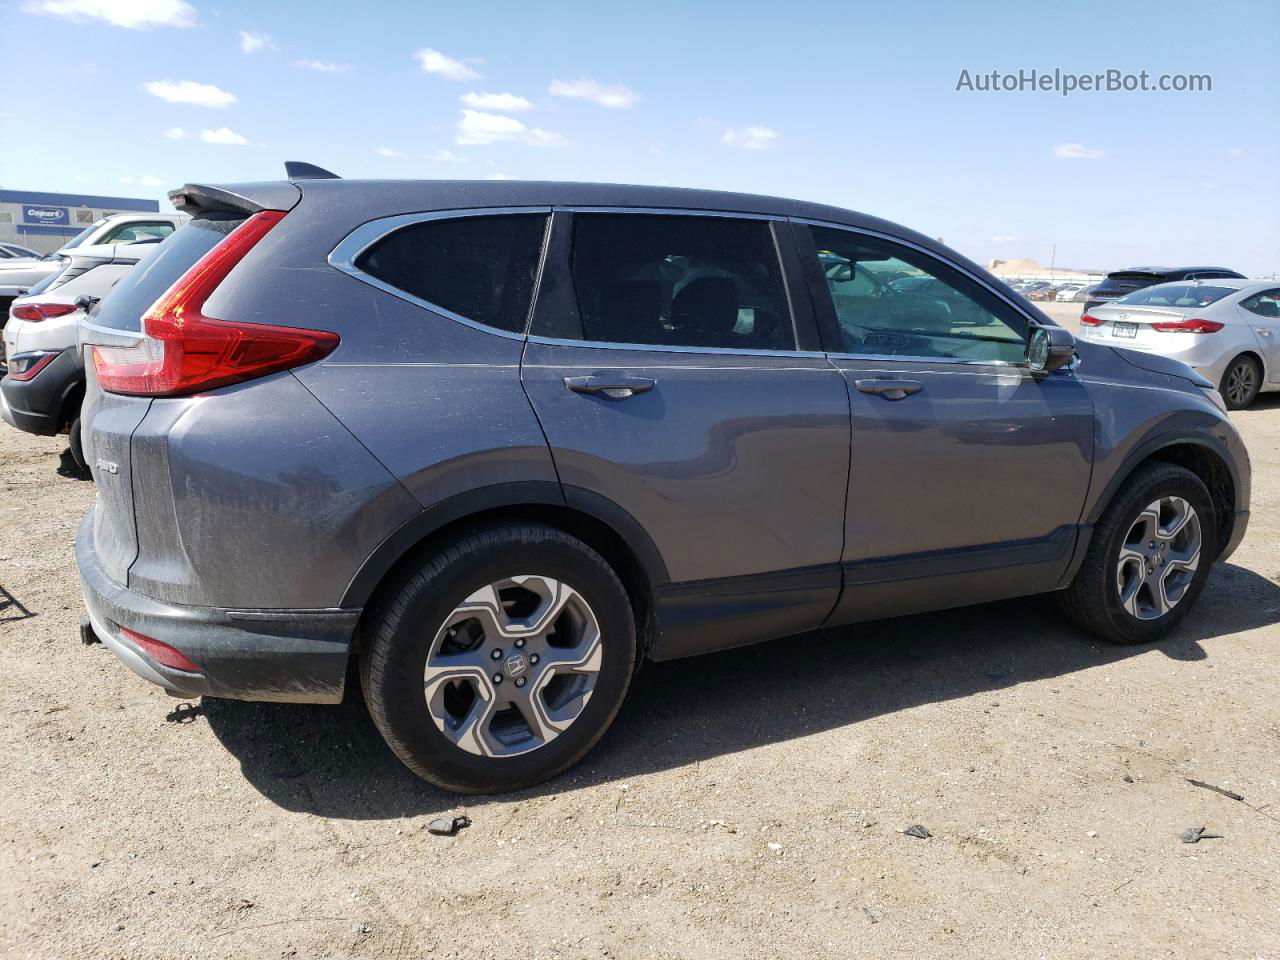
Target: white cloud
(176, 133)
(223, 135)
(321, 66)
(1076, 151)
(388, 152)
(435, 62)
(90, 68)
(188, 91)
(498, 176)
(448, 156)
(1235, 153)
(750, 138)
(477, 128)
(253, 42)
(502, 102)
(615, 95)
(132, 14)
(1003, 239)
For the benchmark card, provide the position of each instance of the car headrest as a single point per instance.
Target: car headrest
(706, 310)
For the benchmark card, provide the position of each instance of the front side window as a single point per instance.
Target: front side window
(133, 232)
(1264, 304)
(679, 281)
(480, 268)
(913, 305)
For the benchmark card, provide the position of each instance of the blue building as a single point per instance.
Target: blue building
(45, 221)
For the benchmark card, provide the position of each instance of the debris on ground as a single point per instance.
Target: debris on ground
(448, 826)
(917, 830)
(1127, 779)
(1229, 794)
(1196, 834)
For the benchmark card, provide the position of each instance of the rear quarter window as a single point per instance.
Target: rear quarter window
(480, 268)
(143, 285)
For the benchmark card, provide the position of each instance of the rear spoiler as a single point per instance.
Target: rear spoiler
(241, 198)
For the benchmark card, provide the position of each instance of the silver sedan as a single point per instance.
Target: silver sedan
(1228, 330)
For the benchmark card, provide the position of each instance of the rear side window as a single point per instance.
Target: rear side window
(480, 268)
(687, 281)
(133, 232)
(143, 285)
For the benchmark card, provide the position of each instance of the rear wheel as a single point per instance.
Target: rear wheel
(1241, 382)
(502, 660)
(76, 444)
(1148, 559)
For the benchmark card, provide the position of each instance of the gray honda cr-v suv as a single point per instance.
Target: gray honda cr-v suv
(501, 442)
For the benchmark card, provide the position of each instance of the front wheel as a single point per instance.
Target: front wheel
(502, 660)
(1148, 559)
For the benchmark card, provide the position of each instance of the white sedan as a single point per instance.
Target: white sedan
(1228, 330)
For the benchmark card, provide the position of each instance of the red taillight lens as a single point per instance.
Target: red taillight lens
(161, 653)
(1189, 325)
(184, 351)
(35, 312)
(1088, 320)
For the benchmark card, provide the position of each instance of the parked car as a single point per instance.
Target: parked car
(1082, 295)
(1226, 330)
(17, 276)
(1068, 292)
(1121, 283)
(43, 384)
(503, 441)
(1047, 292)
(11, 251)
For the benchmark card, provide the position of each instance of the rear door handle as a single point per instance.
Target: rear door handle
(889, 389)
(616, 388)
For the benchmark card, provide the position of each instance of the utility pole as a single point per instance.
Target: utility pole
(1053, 260)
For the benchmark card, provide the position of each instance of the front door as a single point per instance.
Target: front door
(664, 365)
(968, 472)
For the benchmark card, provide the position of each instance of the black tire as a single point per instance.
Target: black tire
(1249, 371)
(1092, 601)
(76, 445)
(397, 640)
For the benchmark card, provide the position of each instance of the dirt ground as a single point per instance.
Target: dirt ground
(747, 804)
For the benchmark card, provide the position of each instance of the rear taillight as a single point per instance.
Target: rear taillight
(1088, 320)
(35, 312)
(1187, 325)
(24, 366)
(161, 653)
(183, 351)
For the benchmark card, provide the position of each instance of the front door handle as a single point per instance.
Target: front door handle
(889, 389)
(616, 388)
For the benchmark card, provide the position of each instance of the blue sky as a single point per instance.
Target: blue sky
(851, 104)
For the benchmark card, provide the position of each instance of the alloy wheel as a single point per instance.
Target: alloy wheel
(1159, 558)
(513, 666)
(1241, 383)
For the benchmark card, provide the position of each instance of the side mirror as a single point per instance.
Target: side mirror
(1049, 348)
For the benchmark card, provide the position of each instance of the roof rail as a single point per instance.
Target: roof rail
(298, 170)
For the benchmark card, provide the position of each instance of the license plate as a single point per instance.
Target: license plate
(1124, 329)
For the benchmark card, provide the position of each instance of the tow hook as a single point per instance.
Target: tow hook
(87, 635)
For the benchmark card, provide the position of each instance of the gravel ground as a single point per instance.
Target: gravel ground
(747, 804)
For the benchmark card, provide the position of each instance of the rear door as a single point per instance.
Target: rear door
(672, 363)
(968, 473)
(1262, 313)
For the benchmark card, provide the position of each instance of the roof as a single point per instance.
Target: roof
(1160, 270)
(39, 198)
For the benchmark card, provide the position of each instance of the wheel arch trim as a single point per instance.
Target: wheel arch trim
(526, 494)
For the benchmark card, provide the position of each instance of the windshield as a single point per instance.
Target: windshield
(79, 238)
(1176, 295)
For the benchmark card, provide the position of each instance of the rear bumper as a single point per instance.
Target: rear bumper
(36, 405)
(293, 656)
